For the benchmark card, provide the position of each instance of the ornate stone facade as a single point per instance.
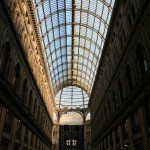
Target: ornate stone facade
(26, 99)
(119, 102)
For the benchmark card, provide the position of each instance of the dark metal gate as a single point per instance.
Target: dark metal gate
(72, 137)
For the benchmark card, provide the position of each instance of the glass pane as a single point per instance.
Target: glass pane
(72, 96)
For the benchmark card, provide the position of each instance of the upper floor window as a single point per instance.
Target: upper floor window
(35, 107)
(30, 100)
(24, 91)
(16, 76)
(141, 59)
(5, 59)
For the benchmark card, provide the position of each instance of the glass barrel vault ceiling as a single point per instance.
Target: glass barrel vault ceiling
(73, 34)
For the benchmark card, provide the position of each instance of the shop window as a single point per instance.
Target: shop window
(139, 146)
(111, 138)
(136, 123)
(147, 111)
(3, 145)
(36, 142)
(26, 135)
(107, 142)
(125, 129)
(88, 146)
(8, 121)
(18, 129)
(16, 146)
(31, 141)
(117, 135)
(102, 144)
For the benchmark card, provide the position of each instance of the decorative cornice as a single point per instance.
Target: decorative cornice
(39, 42)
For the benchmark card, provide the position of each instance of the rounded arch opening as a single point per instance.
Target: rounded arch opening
(72, 97)
(71, 118)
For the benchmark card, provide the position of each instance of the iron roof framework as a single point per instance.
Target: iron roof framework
(72, 97)
(73, 33)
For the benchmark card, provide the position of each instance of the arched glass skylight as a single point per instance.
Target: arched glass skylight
(73, 34)
(72, 97)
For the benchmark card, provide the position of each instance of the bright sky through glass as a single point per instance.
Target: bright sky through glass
(72, 97)
(73, 33)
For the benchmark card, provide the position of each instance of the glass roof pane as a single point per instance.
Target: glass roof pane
(73, 35)
(71, 96)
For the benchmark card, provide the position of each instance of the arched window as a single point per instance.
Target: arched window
(24, 92)
(35, 107)
(16, 77)
(30, 100)
(129, 77)
(39, 114)
(5, 59)
(141, 59)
